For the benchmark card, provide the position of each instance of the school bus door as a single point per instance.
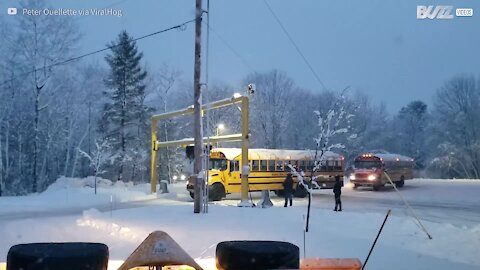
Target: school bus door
(234, 179)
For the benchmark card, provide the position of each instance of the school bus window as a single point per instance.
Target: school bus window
(279, 165)
(324, 166)
(286, 167)
(218, 164)
(271, 165)
(234, 166)
(255, 164)
(295, 164)
(329, 163)
(301, 165)
(263, 165)
(338, 165)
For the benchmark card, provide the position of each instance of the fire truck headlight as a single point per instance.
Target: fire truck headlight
(183, 177)
(371, 177)
(352, 177)
(175, 178)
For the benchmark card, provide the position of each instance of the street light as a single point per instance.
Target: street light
(220, 127)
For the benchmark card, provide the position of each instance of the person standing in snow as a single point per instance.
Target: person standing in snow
(337, 190)
(288, 189)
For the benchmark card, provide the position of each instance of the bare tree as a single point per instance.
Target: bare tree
(87, 107)
(270, 107)
(42, 42)
(165, 80)
(333, 124)
(98, 158)
(228, 116)
(457, 112)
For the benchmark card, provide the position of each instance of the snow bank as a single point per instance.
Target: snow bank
(76, 193)
(402, 244)
(350, 233)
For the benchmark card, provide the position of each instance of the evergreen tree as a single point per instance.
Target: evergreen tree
(125, 115)
(411, 127)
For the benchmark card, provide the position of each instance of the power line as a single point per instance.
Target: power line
(179, 26)
(244, 61)
(294, 44)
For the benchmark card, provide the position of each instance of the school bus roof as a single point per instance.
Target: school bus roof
(387, 157)
(270, 154)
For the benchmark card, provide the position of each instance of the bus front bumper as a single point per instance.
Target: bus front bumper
(365, 182)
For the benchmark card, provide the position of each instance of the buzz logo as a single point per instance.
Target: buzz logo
(434, 12)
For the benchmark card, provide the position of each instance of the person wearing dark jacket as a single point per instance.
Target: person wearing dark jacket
(288, 189)
(337, 190)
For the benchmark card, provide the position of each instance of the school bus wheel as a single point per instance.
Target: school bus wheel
(401, 182)
(300, 192)
(216, 192)
(279, 192)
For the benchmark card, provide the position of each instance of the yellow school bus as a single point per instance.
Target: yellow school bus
(369, 170)
(268, 169)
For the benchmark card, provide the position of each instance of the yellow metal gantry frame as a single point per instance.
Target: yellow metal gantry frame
(243, 137)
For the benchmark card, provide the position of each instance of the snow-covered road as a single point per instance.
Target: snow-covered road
(448, 209)
(443, 201)
(455, 202)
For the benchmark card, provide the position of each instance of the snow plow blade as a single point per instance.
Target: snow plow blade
(159, 249)
(330, 264)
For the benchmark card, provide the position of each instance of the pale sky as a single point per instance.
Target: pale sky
(376, 46)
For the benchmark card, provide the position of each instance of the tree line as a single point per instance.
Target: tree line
(55, 118)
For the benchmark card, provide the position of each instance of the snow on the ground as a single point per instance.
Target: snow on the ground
(77, 193)
(448, 191)
(402, 244)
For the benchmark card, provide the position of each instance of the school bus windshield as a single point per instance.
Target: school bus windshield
(218, 164)
(367, 164)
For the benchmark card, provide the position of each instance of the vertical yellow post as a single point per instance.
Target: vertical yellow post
(245, 135)
(153, 164)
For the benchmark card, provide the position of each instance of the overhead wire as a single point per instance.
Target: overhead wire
(238, 55)
(295, 45)
(179, 27)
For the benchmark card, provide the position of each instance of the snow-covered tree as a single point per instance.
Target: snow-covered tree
(98, 158)
(371, 124)
(300, 123)
(411, 127)
(34, 44)
(332, 124)
(334, 130)
(164, 82)
(270, 108)
(457, 126)
(125, 116)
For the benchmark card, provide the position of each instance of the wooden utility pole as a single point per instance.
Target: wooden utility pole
(197, 114)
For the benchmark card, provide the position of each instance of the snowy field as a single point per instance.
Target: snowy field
(121, 215)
